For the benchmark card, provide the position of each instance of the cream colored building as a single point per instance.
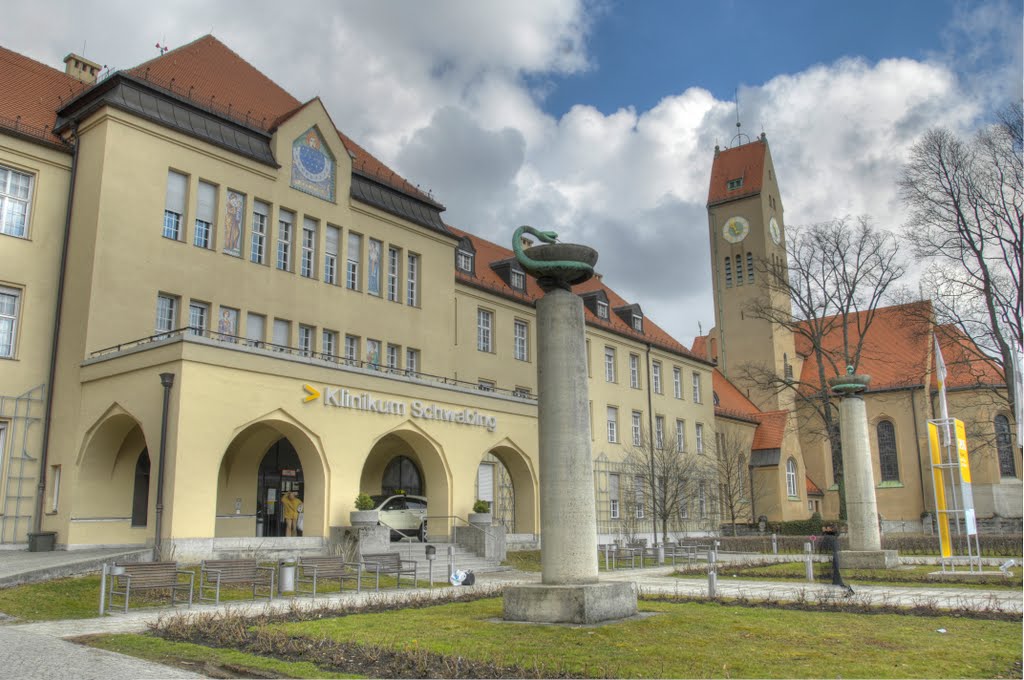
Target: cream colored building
(251, 303)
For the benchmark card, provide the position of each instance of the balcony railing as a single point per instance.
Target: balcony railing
(331, 360)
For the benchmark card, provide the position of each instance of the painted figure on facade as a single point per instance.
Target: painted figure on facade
(235, 215)
(313, 168)
(373, 268)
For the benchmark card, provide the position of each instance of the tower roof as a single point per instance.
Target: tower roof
(744, 162)
(32, 92)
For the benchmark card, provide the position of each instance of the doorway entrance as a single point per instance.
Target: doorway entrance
(402, 476)
(280, 472)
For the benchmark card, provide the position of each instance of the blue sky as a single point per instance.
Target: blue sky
(598, 118)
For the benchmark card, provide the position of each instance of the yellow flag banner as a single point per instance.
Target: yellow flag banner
(967, 494)
(940, 492)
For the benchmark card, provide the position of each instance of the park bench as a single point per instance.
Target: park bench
(129, 577)
(215, 573)
(390, 564)
(311, 571)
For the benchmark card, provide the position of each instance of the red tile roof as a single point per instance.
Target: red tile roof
(966, 364)
(746, 161)
(770, 431)
(731, 402)
(32, 93)
(812, 488)
(487, 279)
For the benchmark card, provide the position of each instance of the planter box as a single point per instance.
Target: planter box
(480, 518)
(364, 518)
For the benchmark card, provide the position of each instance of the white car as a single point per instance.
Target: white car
(404, 515)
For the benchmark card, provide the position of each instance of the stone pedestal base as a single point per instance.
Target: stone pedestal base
(581, 603)
(868, 559)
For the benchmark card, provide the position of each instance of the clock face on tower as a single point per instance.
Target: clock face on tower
(735, 229)
(773, 229)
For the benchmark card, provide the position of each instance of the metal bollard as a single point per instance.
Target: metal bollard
(809, 564)
(712, 574)
(451, 561)
(607, 557)
(103, 588)
(775, 544)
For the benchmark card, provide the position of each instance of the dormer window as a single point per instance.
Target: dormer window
(464, 261)
(734, 184)
(602, 309)
(518, 280)
(632, 316)
(638, 323)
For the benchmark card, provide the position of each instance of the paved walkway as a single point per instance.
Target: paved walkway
(37, 650)
(22, 566)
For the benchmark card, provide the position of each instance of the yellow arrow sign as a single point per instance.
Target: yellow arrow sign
(313, 392)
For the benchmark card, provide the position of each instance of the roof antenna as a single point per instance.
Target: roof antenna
(700, 329)
(740, 136)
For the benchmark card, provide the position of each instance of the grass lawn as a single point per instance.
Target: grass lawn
(907, 576)
(685, 640)
(529, 560)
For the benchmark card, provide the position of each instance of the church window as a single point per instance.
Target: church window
(1007, 467)
(734, 184)
(750, 267)
(739, 271)
(791, 478)
(887, 458)
(728, 271)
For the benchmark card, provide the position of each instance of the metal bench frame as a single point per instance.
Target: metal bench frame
(312, 570)
(390, 563)
(147, 576)
(213, 573)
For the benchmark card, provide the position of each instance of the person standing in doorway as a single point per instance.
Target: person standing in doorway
(291, 503)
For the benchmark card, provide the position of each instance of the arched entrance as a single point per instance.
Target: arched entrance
(494, 485)
(508, 475)
(402, 475)
(140, 493)
(280, 472)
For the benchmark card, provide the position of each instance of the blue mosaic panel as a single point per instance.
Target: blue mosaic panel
(313, 167)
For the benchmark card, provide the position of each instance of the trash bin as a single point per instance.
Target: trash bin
(285, 577)
(42, 541)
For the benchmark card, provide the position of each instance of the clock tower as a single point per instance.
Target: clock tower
(747, 232)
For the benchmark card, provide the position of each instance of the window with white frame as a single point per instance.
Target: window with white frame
(677, 382)
(696, 388)
(484, 328)
(412, 361)
(394, 262)
(684, 504)
(609, 364)
(638, 323)
(602, 309)
(656, 376)
(613, 495)
(394, 354)
(353, 255)
(308, 256)
(464, 260)
(659, 431)
(331, 241)
(412, 280)
(638, 428)
(486, 385)
(206, 210)
(305, 340)
(613, 424)
(520, 333)
(791, 478)
(638, 496)
(198, 317)
(54, 499)
(351, 348)
(174, 206)
(15, 197)
(3, 442)
(702, 500)
(699, 437)
(258, 238)
(255, 328)
(518, 280)
(634, 371)
(10, 305)
(521, 391)
(166, 313)
(282, 333)
(329, 343)
(285, 223)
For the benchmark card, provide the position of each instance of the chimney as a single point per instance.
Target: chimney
(525, 242)
(81, 68)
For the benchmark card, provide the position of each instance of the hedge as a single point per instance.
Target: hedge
(991, 545)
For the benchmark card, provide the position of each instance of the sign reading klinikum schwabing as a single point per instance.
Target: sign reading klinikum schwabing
(342, 397)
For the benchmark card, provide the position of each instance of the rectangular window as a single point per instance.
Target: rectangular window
(638, 496)
(613, 495)
(285, 222)
(174, 206)
(638, 428)
(486, 385)
(3, 443)
(166, 313)
(613, 424)
(412, 361)
(354, 255)
(680, 436)
(518, 280)
(282, 333)
(700, 437)
(54, 488)
(521, 391)
(464, 261)
(484, 327)
(373, 353)
(305, 340)
(634, 371)
(255, 328)
(329, 343)
(394, 260)
(638, 323)
(520, 336)
(331, 255)
(609, 364)
(308, 258)
(374, 250)
(656, 376)
(15, 196)
(227, 323)
(590, 373)
(696, 388)
(393, 358)
(10, 303)
(602, 309)
(258, 245)
(198, 317)
(351, 348)
(677, 382)
(412, 280)
(734, 184)
(206, 211)
(702, 500)
(659, 431)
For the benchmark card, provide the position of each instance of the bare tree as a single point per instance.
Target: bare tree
(662, 473)
(736, 487)
(966, 203)
(837, 275)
